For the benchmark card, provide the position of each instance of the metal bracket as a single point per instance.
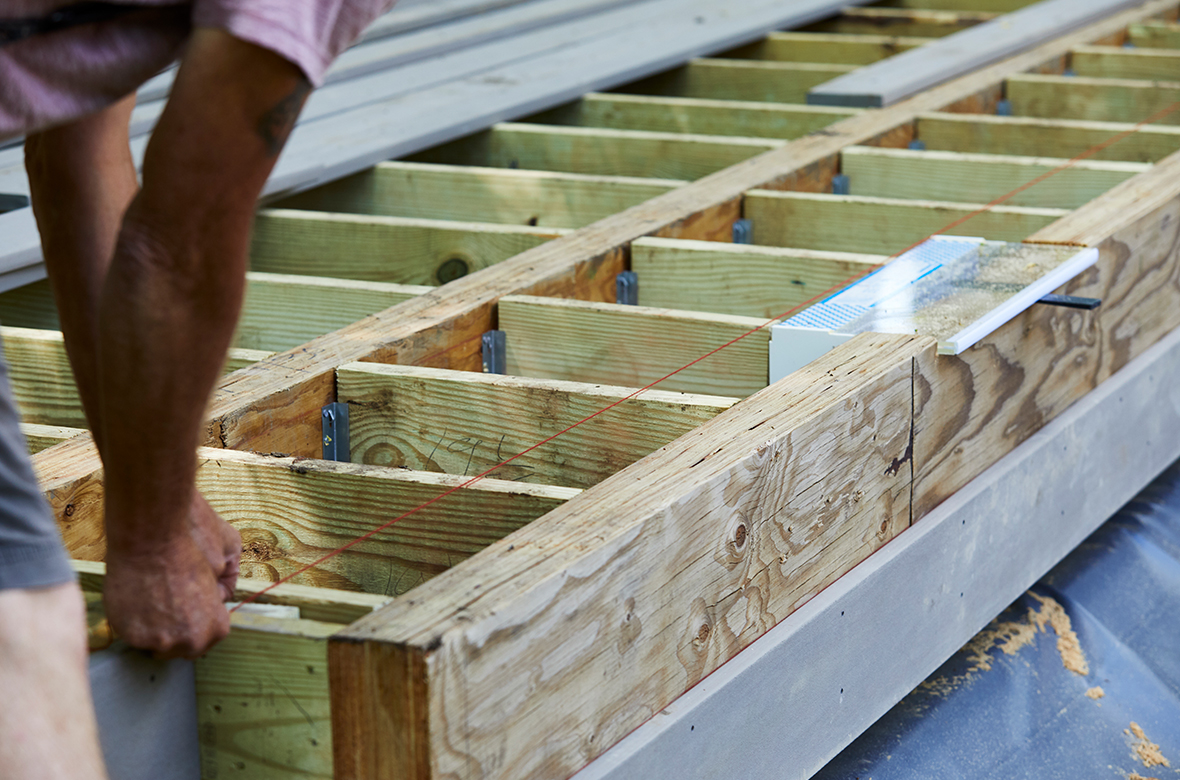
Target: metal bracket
(1071, 301)
(840, 184)
(627, 288)
(494, 346)
(918, 145)
(743, 231)
(334, 420)
(12, 202)
(1004, 108)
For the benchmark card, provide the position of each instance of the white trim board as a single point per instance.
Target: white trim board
(801, 693)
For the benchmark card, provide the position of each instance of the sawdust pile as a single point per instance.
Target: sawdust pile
(1072, 657)
(1096, 693)
(1137, 776)
(1011, 636)
(1146, 751)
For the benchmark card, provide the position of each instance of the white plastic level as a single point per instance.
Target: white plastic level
(956, 289)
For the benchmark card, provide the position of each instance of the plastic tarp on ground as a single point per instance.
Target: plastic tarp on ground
(1006, 705)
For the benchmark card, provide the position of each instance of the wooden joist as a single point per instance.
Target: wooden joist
(826, 47)
(1103, 100)
(463, 423)
(979, 178)
(905, 22)
(1165, 35)
(759, 80)
(1117, 62)
(881, 226)
(40, 437)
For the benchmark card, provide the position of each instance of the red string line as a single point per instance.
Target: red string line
(469, 482)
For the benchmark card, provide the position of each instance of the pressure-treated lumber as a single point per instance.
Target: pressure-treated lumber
(633, 346)
(598, 151)
(665, 570)
(1116, 62)
(40, 437)
(1027, 372)
(916, 23)
(826, 47)
(849, 223)
(383, 249)
(470, 193)
(1155, 34)
(990, 6)
(1104, 100)
(980, 178)
(747, 280)
(1018, 135)
(464, 423)
(772, 82)
(698, 116)
(888, 81)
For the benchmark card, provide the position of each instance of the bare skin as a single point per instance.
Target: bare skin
(149, 283)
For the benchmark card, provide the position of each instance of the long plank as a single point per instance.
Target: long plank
(718, 79)
(384, 249)
(464, 423)
(41, 437)
(633, 346)
(989, 6)
(1104, 100)
(888, 81)
(979, 178)
(1155, 35)
(476, 194)
(1117, 62)
(908, 22)
(826, 47)
(665, 570)
(697, 116)
(1027, 372)
(741, 279)
(1017, 135)
(881, 226)
(598, 151)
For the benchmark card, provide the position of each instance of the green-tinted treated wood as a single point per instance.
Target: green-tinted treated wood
(698, 116)
(512, 197)
(292, 512)
(1047, 137)
(826, 47)
(1103, 100)
(465, 423)
(262, 701)
(30, 306)
(908, 22)
(1117, 62)
(773, 82)
(384, 249)
(42, 437)
(988, 6)
(283, 311)
(1151, 35)
(847, 223)
(43, 383)
(633, 346)
(980, 178)
(598, 151)
(743, 279)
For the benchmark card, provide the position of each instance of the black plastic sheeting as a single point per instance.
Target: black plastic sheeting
(1028, 716)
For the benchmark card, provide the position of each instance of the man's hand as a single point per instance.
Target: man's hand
(170, 597)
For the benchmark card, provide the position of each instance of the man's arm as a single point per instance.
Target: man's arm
(164, 318)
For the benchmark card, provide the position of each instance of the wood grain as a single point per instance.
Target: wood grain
(1155, 35)
(908, 22)
(462, 423)
(826, 47)
(1117, 62)
(771, 82)
(1103, 100)
(41, 437)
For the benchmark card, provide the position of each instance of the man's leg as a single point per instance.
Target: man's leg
(47, 725)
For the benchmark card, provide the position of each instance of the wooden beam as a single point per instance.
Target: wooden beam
(1151, 35)
(883, 226)
(475, 194)
(1104, 100)
(976, 407)
(42, 437)
(988, 6)
(633, 346)
(908, 22)
(831, 48)
(746, 280)
(979, 178)
(598, 151)
(1118, 62)
(663, 572)
(384, 249)
(771, 82)
(1068, 138)
(464, 423)
(697, 116)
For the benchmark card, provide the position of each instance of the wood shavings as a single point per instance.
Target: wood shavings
(1137, 776)
(1096, 693)
(1072, 657)
(1146, 751)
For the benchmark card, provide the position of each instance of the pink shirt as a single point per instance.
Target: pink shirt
(52, 78)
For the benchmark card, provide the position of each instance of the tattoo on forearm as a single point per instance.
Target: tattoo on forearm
(276, 124)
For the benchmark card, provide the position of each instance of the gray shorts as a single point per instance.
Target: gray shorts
(31, 552)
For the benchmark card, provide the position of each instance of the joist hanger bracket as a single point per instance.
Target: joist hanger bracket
(627, 288)
(743, 231)
(334, 421)
(840, 184)
(494, 346)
